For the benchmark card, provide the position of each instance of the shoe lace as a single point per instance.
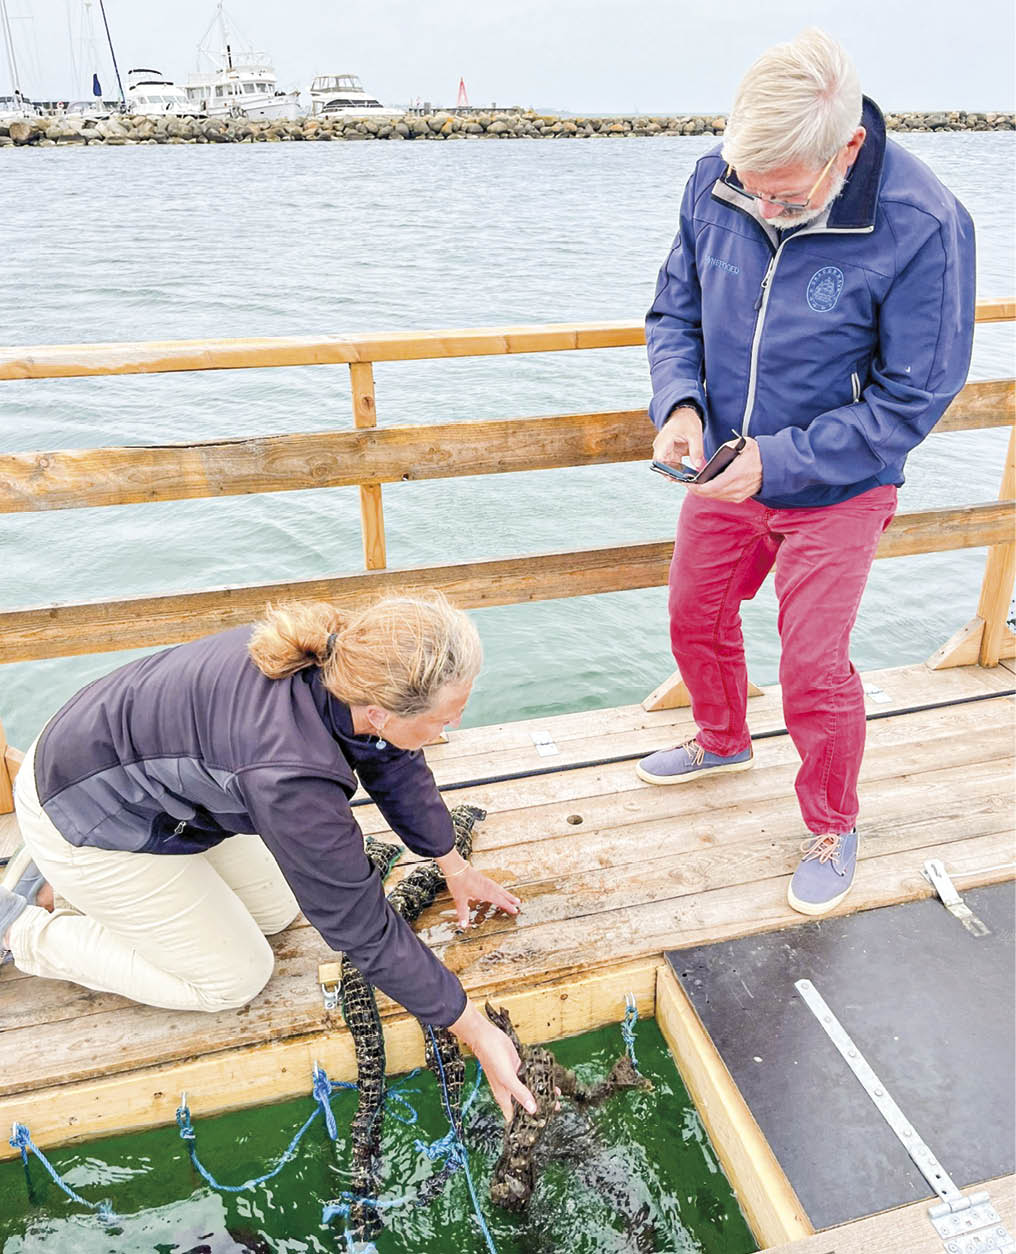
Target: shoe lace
(823, 847)
(696, 753)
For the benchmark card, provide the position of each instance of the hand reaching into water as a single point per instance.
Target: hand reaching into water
(498, 1057)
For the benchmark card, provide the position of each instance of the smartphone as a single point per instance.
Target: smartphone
(716, 465)
(680, 474)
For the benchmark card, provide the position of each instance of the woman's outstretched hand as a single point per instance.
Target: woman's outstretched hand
(467, 885)
(498, 1057)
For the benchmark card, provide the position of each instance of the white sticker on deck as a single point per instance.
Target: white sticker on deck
(875, 693)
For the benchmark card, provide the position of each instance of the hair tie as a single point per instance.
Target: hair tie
(330, 644)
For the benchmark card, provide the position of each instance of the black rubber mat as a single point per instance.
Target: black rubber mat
(931, 1008)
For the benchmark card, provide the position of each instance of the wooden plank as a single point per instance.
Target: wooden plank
(989, 403)
(770, 1205)
(372, 521)
(515, 752)
(74, 478)
(995, 311)
(237, 1078)
(98, 626)
(904, 685)
(63, 361)
(701, 843)
(591, 917)
(540, 852)
(906, 1230)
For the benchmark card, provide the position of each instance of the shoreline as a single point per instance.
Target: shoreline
(128, 129)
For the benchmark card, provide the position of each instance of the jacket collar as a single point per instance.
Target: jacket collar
(855, 207)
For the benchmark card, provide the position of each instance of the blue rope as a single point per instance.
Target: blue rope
(631, 1017)
(21, 1139)
(446, 1101)
(449, 1147)
(322, 1090)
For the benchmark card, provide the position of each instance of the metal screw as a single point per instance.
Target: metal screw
(851, 1053)
(880, 1092)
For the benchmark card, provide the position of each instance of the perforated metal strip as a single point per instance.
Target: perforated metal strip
(967, 1224)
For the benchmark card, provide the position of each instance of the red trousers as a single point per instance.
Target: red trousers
(822, 558)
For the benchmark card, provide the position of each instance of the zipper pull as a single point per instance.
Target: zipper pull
(762, 287)
(180, 828)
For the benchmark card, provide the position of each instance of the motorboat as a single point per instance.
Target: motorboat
(343, 95)
(235, 81)
(150, 93)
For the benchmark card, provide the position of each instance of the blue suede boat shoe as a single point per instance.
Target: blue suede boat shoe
(825, 873)
(690, 761)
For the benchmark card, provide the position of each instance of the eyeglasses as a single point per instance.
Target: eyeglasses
(792, 205)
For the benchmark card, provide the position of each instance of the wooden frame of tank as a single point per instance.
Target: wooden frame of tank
(367, 457)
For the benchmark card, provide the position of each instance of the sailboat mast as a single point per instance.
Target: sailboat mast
(5, 21)
(109, 40)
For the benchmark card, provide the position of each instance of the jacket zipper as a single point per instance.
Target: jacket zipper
(763, 300)
(855, 386)
(760, 317)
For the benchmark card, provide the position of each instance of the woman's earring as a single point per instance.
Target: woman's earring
(382, 744)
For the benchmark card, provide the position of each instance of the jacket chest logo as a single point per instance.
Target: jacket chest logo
(824, 288)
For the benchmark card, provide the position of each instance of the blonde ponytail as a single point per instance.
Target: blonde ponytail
(396, 654)
(293, 636)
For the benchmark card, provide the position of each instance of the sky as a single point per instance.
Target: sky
(582, 56)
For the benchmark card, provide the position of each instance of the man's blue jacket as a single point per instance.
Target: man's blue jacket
(837, 346)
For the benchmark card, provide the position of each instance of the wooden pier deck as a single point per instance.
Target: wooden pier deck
(612, 872)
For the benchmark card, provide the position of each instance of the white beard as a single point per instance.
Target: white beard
(787, 220)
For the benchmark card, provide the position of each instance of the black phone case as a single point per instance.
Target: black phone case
(718, 463)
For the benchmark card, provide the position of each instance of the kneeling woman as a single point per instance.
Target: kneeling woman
(191, 802)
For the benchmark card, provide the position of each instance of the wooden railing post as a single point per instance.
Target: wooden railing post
(999, 571)
(372, 520)
(986, 638)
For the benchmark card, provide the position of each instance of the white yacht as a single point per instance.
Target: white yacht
(234, 82)
(149, 92)
(343, 95)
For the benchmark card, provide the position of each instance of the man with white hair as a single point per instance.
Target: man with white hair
(817, 305)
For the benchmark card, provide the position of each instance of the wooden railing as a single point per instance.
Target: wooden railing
(367, 456)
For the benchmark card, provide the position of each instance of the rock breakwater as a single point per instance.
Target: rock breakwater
(126, 129)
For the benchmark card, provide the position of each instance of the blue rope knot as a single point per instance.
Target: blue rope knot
(321, 1091)
(183, 1122)
(20, 1139)
(335, 1209)
(446, 1149)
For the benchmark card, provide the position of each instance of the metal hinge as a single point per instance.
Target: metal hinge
(544, 742)
(935, 873)
(329, 976)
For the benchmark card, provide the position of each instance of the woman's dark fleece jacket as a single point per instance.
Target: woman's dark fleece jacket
(178, 751)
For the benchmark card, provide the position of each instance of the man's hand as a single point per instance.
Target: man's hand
(741, 480)
(680, 436)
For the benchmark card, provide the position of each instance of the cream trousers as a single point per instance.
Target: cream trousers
(186, 932)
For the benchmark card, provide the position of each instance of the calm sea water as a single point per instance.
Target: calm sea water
(186, 242)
